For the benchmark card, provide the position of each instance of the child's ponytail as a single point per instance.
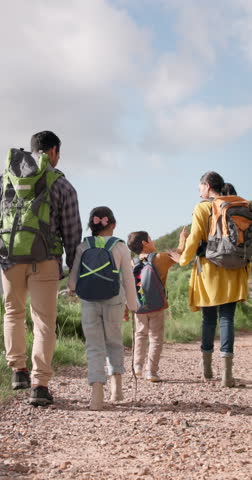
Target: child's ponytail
(99, 219)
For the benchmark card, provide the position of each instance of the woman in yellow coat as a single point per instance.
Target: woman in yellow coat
(213, 290)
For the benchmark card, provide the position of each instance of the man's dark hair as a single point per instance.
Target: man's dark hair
(44, 141)
(135, 240)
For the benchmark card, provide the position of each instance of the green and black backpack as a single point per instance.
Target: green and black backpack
(25, 235)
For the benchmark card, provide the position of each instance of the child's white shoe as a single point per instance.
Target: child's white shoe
(116, 388)
(153, 377)
(97, 396)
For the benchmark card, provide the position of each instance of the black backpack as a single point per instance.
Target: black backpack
(150, 291)
(98, 277)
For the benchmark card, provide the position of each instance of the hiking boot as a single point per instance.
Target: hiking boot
(151, 377)
(116, 388)
(227, 379)
(40, 397)
(207, 365)
(97, 396)
(20, 379)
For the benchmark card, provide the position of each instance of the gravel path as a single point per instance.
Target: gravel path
(181, 428)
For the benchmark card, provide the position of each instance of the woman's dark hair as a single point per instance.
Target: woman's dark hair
(44, 141)
(103, 216)
(214, 180)
(135, 241)
(228, 189)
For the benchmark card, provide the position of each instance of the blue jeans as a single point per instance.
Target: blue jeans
(102, 323)
(209, 322)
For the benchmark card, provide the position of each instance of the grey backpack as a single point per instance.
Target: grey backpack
(150, 291)
(229, 243)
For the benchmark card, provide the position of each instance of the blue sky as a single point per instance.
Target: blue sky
(146, 95)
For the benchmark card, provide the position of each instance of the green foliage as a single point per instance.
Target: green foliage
(170, 240)
(177, 287)
(184, 328)
(127, 333)
(68, 317)
(69, 351)
(243, 316)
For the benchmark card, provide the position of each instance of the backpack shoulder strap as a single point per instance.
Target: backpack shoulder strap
(111, 242)
(209, 200)
(150, 259)
(136, 261)
(90, 241)
(151, 256)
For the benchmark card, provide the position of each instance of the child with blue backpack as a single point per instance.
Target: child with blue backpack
(150, 273)
(102, 277)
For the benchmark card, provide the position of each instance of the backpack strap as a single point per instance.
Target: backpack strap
(111, 242)
(201, 250)
(151, 256)
(90, 241)
(99, 242)
(136, 260)
(150, 259)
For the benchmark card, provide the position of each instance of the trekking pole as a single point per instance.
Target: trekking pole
(133, 352)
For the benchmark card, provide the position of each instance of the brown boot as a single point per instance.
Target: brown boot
(227, 379)
(97, 396)
(207, 365)
(116, 388)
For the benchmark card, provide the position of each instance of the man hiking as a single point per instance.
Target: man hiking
(39, 215)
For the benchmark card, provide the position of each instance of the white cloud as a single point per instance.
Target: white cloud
(242, 29)
(196, 126)
(173, 79)
(64, 67)
(202, 26)
(71, 67)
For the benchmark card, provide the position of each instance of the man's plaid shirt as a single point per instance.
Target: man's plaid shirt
(64, 220)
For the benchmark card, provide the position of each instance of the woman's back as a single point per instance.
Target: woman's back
(213, 285)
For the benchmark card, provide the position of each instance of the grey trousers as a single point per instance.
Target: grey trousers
(102, 327)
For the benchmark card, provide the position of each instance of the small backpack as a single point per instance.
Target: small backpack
(25, 234)
(229, 243)
(98, 277)
(150, 291)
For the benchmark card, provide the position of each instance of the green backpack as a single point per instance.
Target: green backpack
(25, 235)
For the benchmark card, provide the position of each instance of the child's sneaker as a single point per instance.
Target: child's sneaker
(20, 379)
(153, 377)
(40, 397)
(138, 372)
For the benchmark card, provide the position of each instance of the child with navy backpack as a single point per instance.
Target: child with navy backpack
(102, 277)
(150, 273)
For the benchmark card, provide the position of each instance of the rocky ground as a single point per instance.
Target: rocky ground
(181, 428)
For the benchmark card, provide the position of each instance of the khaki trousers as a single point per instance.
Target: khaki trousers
(41, 282)
(149, 326)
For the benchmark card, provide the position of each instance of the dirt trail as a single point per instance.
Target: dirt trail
(181, 428)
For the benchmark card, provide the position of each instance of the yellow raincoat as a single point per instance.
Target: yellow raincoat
(214, 285)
